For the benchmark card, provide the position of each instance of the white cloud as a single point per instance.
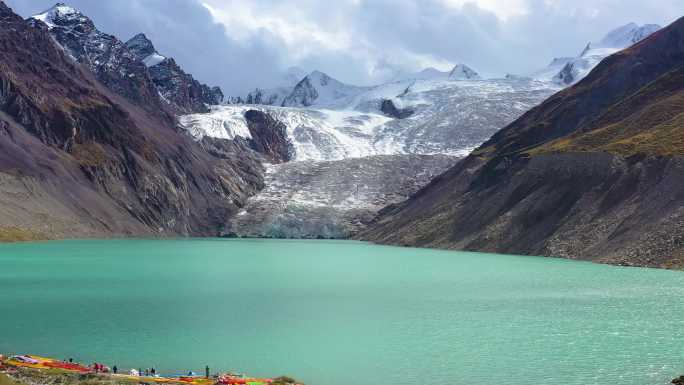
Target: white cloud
(504, 9)
(243, 20)
(240, 44)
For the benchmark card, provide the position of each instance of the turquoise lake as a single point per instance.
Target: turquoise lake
(341, 312)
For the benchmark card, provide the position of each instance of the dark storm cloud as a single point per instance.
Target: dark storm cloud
(361, 41)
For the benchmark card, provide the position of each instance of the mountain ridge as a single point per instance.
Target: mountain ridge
(163, 86)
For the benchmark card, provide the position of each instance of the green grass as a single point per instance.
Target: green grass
(5, 380)
(649, 122)
(16, 234)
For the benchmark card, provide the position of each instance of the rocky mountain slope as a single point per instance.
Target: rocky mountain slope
(123, 67)
(595, 172)
(83, 151)
(177, 88)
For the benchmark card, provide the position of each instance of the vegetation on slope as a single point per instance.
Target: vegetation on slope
(15, 234)
(650, 122)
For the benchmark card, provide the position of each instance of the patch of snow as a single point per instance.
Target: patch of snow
(58, 10)
(153, 60)
(221, 122)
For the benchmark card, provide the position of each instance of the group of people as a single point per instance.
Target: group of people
(101, 368)
(149, 372)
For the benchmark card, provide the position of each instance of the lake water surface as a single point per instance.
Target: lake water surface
(342, 313)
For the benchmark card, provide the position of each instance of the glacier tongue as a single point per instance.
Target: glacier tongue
(332, 199)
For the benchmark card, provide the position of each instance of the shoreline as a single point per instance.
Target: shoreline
(36, 370)
(678, 268)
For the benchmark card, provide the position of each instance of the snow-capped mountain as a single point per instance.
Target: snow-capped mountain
(144, 50)
(569, 70)
(321, 90)
(446, 116)
(124, 67)
(628, 35)
(463, 72)
(106, 56)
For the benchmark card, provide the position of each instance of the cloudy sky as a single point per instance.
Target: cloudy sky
(240, 44)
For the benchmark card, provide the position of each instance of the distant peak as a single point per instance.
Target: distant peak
(141, 36)
(61, 14)
(62, 8)
(430, 70)
(586, 49)
(318, 74)
(463, 72)
(144, 50)
(319, 77)
(627, 35)
(140, 41)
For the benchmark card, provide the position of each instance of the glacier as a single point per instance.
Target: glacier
(449, 117)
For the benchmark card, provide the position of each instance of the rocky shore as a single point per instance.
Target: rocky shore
(34, 370)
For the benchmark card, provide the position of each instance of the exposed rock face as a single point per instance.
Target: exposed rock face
(183, 93)
(178, 89)
(595, 172)
(388, 108)
(463, 72)
(144, 50)
(79, 160)
(332, 199)
(678, 381)
(123, 68)
(568, 75)
(107, 57)
(304, 94)
(269, 136)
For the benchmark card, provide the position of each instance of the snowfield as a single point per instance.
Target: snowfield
(449, 117)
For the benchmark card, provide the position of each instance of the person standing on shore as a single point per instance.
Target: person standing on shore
(115, 369)
(206, 371)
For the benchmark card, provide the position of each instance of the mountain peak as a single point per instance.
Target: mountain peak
(320, 89)
(463, 72)
(627, 35)
(319, 77)
(62, 14)
(144, 50)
